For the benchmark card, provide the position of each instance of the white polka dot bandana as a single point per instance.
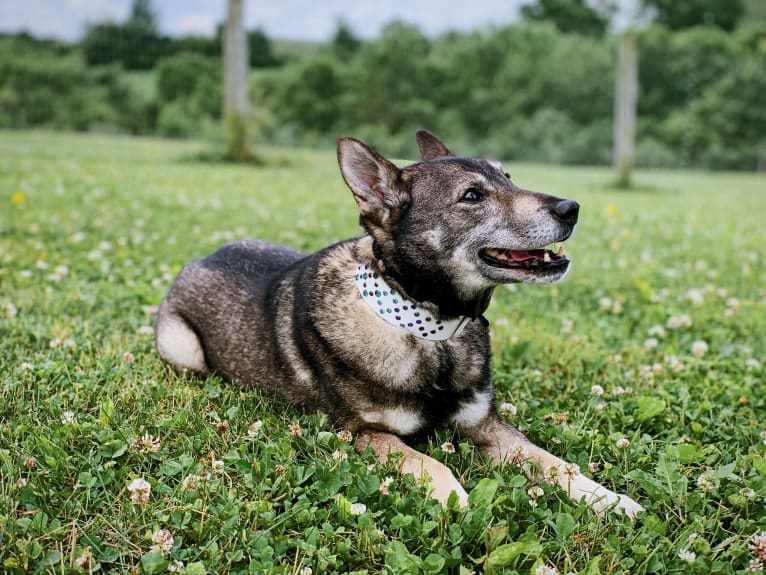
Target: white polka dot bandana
(401, 312)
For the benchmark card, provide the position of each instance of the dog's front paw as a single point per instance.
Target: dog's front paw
(602, 499)
(606, 500)
(442, 492)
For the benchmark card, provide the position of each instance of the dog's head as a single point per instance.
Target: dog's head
(461, 220)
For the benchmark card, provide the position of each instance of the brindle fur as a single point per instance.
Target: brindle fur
(294, 324)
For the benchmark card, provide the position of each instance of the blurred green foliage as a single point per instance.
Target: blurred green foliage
(523, 92)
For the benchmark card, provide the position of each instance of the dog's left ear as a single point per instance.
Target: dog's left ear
(430, 146)
(374, 181)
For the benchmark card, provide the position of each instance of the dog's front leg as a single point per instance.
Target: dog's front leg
(502, 443)
(424, 468)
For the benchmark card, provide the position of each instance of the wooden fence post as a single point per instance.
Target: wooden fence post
(235, 104)
(625, 97)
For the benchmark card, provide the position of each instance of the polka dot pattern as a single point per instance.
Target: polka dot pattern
(402, 312)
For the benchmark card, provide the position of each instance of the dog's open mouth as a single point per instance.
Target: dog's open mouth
(547, 258)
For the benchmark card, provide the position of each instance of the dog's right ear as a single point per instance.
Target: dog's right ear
(430, 146)
(374, 181)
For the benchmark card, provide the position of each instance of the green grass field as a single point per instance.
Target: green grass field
(664, 311)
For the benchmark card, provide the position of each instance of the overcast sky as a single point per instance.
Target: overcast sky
(289, 19)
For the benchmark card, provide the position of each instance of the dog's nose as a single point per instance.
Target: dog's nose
(566, 211)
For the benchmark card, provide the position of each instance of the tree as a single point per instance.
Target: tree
(345, 43)
(576, 16)
(142, 17)
(688, 13)
(235, 83)
(259, 47)
(135, 44)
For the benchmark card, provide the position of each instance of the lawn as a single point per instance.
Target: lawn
(110, 463)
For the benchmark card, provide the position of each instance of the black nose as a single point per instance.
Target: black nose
(566, 211)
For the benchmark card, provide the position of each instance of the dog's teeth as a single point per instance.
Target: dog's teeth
(546, 257)
(560, 251)
(492, 252)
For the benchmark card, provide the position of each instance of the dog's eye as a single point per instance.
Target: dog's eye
(472, 195)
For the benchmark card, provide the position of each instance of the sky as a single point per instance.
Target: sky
(285, 19)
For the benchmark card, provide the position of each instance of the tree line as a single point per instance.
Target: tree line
(538, 90)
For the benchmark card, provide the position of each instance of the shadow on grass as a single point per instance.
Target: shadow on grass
(221, 157)
(616, 186)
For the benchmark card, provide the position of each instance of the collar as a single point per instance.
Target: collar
(402, 312)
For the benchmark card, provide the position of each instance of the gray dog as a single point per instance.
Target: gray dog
(385, 332)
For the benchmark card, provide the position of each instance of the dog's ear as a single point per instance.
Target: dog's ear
(374, 181)
(430, 146)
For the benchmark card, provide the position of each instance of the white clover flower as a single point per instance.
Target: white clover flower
(67, 417)
(552, 474)
(140, 490)
(163, 541)
(306, 571)
(217, 465)
(567, 325)
(599, 407)
(699, 348)
(447, 447)
(619, 390)
(605, 303)
(571, 470)
(25, 365)
(674, 364)
(687, 555)
(593, 467)
(508, 410)
(295, 429)
(11, 310)
(254, 428)
(651, 343)
(597, 390)
(517, 455)
(344, 435)
(176, 566)
(146, 330)
(695, 296)
(623, 443)
(129, 357)
(357, 508)
(146, 444)
(535, 492)
(747, 492)
(763, 437)
(85, 560)
(191, 482)
(752, 363)
(757, 546)
(546, 570)
(656, 331)
(339, 455)
(704, 483)
(385, 485)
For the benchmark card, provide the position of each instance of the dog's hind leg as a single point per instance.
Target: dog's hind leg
(178, 344)
(501, 443)
(424, 468)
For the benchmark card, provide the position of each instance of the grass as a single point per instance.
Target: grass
(93, 230)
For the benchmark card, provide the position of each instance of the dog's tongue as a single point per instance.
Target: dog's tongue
(524, 255)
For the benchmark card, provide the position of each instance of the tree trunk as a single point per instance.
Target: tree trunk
(235, 83)
(625, 96)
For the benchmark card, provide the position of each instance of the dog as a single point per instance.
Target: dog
(385, 332)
